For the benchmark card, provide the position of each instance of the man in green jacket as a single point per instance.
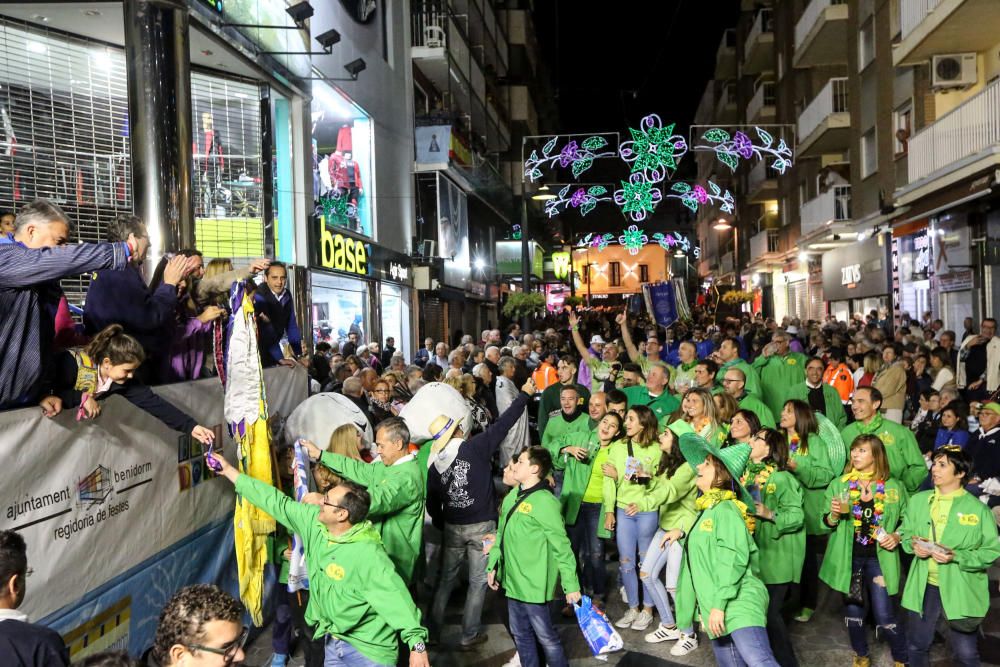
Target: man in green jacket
(729, 357)
(548, 405)
(779, 369)
(654, 395)
(570, 427)
(820, 396)
(905, 460)
(397, 489)
(734, 384)
(357, 601)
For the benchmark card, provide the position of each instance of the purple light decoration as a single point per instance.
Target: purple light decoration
(731, 149)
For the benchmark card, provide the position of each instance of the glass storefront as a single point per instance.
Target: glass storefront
(914, 271)
(343, 183)
(396, 317)
(339, 306)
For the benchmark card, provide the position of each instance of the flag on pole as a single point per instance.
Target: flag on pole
(298, 575)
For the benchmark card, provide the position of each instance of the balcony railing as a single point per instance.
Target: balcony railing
(765, 242)
(831, 206)
(758, 176)
(831, 99)
(912, 12)
(764, 97)
(727, 97)
(964, 131)
(814, 10)
(764, 23)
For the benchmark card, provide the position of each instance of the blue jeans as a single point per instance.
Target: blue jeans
(920, 633)
(654, 562)
(633, 534)
(341, 654)
(588, 547)
(463, 542)
(882, 609)
(743, 647)
(528, 623)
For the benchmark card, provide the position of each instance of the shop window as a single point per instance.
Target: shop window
(615, 274)
(902, 128)
(64, 132)
(343, 178)
(869, 154)
(227, 171)
(340, 306)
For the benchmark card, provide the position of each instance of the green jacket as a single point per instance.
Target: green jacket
(619, 492)
(532, 550)
(906, 463)
(837, 564)
(782, 541)
(397, 508)
(753, 381)
(675, 497)
(560, 433)
(834, 409)
(662, 406)
(777, 374)
(759, 408)
(549, 402)
(355, 594)
(577, 473)
(717, 572)
(971, 532)
(814, 474)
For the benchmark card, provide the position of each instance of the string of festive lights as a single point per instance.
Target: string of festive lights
(579, 157)
(729, 150)
(654, 150)
(634, 239)
(696, 196)
(583, 198)
(638, 196)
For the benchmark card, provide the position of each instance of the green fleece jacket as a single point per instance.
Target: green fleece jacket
(753, 381)
(532, 550)
(560, 432)
(355, 595)
(548, 404)
(717, 572)
(577, 473)
(837, 564)
(782, 539)
(620, 492)
(833, 410)
(759, 408)
(906, 463)
(971, 532)
(662, 405)
(397, 509)
(813, 470)
(675, 496)
(777, 374)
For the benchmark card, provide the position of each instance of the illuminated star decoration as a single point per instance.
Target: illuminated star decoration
(731, 149)
(584, 199)
(638, 196)
(596, 241)
(633, 240)
(654, 150)
(579, 157)
(696, 196)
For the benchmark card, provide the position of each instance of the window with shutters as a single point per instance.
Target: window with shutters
(615, 272)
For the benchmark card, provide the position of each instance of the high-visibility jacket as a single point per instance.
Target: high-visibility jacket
(544, 376)
(840, 378)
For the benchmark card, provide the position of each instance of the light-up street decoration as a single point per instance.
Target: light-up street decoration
(676, 242)
(597, 241)
(654, 150)
(579, 157)
(561, 264)
(516, 232)
(634, 239)
(583, 198)
(638, 196)
(731, 149)
(695, 196)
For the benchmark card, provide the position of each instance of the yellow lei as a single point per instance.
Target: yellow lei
(713, 497)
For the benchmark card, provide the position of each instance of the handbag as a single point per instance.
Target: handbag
(601, 636)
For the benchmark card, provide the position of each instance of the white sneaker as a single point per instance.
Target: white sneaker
(623, 593)
(626, 620)
(642, 621)
(515, 661)
(686, 644)
(663, 634)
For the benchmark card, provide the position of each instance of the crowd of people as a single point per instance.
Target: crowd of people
(730, 468)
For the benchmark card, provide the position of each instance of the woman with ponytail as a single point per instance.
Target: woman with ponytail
(82, 377)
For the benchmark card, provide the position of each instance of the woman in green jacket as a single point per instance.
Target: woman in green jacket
(630, 506)
(809, 462)
(780, 533)
(673, 490)
(954, 538)
(717, 579)
(865, 507)
(698, 410)
(531, 553)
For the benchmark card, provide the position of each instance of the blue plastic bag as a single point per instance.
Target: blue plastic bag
(601, 636)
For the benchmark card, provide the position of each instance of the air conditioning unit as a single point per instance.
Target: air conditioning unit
(429, 249)
(953, 70)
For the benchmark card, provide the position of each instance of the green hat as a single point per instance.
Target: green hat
(735, 457)
(992, 407)
(680, 427)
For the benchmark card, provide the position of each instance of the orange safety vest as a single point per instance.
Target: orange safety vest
(840, 378)
(544, 376)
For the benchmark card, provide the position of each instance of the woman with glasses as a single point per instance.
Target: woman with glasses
(865, 506)
(810, 463)
(780, 531)
(742, 428)
(380, 402)
(953, 537)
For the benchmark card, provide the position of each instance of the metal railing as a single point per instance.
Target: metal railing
(764, 23)
(809, 17)
(758, 175)
(764, 242)
(830, 206)
(831, 99)
(964, 131)
(764, 97)
(912, 12)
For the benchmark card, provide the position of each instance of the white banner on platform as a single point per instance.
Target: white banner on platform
(94, 499)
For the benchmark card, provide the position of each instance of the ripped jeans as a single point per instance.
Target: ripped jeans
(883, 609)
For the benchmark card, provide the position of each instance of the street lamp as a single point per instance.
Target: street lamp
(722, 225)
(543, 194)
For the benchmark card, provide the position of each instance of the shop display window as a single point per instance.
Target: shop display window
(340, 306)
(343, 178)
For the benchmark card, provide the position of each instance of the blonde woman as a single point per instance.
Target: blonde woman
(725, 407)
(346, 440)
(698, 410)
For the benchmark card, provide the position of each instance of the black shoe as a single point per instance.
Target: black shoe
(471, 644)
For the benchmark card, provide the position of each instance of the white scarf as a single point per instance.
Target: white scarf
(443, 459)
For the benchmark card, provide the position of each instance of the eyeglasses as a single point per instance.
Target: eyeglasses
(227, 651)
(329, 504)
(730, 381)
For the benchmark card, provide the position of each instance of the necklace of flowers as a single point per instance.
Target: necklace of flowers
(854, 486)
(793, 444)
(759, 472)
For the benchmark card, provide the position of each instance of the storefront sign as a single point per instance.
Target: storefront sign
(509, 259)
(342, 253)
(398, 272)
(857, 271)
(560, 265)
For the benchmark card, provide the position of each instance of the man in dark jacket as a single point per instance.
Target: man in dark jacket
(32, 261)
(276, 318)
(122, 297)
(23, 643)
